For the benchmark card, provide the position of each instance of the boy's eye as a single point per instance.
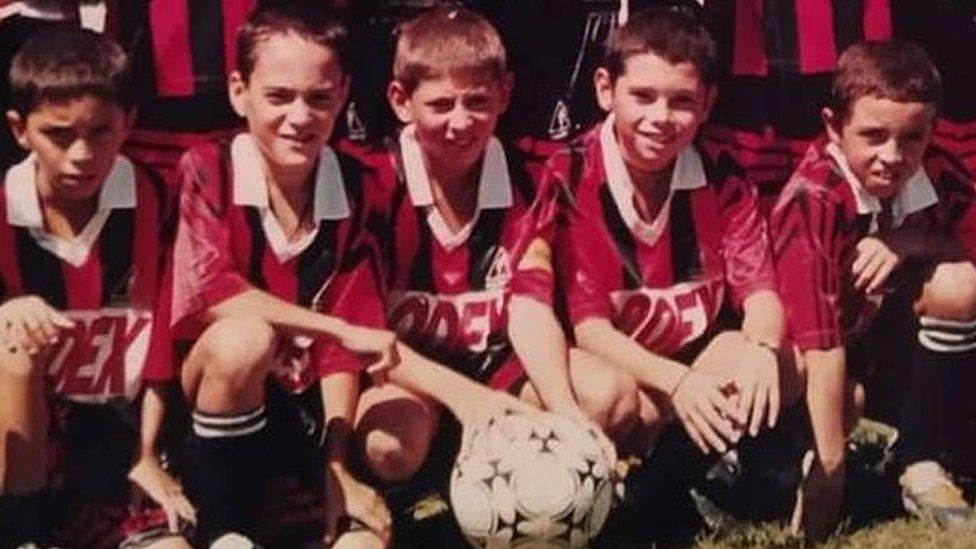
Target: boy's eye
(320, 100)
(644, 97)
(279, 97)
(874, 136)
(61, 136)
(441, 105)
(476, 102)
(683, 102)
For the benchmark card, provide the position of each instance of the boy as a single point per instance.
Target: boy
(859, 222)
(454, 239)
(81, 245)
(654, 236)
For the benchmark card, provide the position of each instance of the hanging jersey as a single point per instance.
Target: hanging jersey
(228, 241)
(661, 282)
(182, 52)
(106, 279)
(448, 292)
(816, 225)
(762, 37)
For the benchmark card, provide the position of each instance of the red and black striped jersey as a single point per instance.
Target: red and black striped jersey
(661, 282)
(106, 279)
(761, 37)
(818, 220)
(182, 52)
(448, 292)
(228, 241)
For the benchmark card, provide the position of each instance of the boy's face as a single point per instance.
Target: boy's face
(454, 116)
(657, 107)
(75, 143)
(295, 93)
(883, 141)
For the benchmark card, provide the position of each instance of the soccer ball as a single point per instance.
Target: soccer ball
(530, 480)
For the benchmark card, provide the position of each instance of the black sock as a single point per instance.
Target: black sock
(944, 353)
(225, 472)
(26, 518)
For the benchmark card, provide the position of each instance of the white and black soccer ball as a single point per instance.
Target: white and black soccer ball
(531, 480)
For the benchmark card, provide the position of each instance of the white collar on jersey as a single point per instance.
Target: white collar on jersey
(24, 207)
(494, 186)
(688, 174)
(917, 194)
(251, 188)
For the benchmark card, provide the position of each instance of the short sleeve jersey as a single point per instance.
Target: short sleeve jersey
(106, 279)
(661, 282)
(448, 292)
(818, 220)
(229, 241)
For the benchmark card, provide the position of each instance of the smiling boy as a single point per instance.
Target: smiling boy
(655, 236)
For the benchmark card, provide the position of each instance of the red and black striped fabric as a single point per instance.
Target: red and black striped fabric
(665, 294)
(122, 270)
(762, 37)
(449, 302)
(222, 250)
(816, 227)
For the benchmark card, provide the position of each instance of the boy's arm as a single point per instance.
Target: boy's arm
(147, 472)
(698, 398)
(208, 284)
(345, 495)
(825, 397)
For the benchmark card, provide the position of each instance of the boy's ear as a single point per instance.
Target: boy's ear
(603, 85)
(18, 127)
(236, 88)
(399, 100)
(832, 123)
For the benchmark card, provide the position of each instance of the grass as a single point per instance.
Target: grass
(874, 518)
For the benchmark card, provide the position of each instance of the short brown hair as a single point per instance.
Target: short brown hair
(447, 41)
(889, 69)
(311, 20)
(67, 64)
(670, 33)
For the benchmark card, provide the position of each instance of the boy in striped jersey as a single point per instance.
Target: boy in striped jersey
(454, 244)
(82, 239)
(863, 224)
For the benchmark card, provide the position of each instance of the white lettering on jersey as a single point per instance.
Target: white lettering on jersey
(455, 322)
(102, 357)
(666, 319)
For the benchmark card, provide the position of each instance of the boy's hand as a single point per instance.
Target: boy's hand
(162, 488)
(29, 323)
(757, 380)
(875, 261)
(347, 497)
(382, 344)
(576, 414)
(706, 412)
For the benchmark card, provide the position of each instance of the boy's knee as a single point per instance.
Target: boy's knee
(391, 458)
(950, 293)
(237, 348)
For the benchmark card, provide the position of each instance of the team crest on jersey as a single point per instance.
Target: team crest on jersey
(560, 124)
(102, 357)
(450, 323)
(666, 319)
(500, 271)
